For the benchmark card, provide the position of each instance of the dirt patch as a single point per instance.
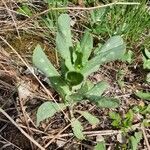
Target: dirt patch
(12, 138)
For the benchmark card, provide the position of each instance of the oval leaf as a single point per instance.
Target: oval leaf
(111, 51)
(98, 89)
(115, 43)
(47, 110)
(41, 61)
(63, 39)
(86, 46)
(77, 128)
(105, 102)
(90, 118)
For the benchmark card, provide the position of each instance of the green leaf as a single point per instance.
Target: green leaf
(74, 78)
(41, 61)
(141, 109)
(89, 117)
(25, 10)
(138, 136)
(86, 46)
(96, 51)
(85, 87)
(147, 53)
(47, 110)
(98, 89)
(105, 102)
(143, 95)
(100, 143)
(63, 39)
(74, 97)
(127, 57)
(114, 43)
(60, 86)
(146, 123)
(146, 63)
(145, 110)
(77, 128)
(114, 115)
(135, 140)
(78, 61)
(116, 119)
(133, 143)
(148, 77)
(113, 50)
(127, 122)
(100, 146)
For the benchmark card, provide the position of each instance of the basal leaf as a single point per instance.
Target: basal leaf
(113, 43)
(63, 39)
(105, 102)
(89, 117)
(143, 95)
(111, 51)
(98, 89)
(47, 110)
(77, 128)
(41, 61)
(86, 46)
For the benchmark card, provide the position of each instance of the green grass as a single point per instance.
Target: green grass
(129, 21)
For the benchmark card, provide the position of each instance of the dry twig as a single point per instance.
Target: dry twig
(21, 130)
(145, 137)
